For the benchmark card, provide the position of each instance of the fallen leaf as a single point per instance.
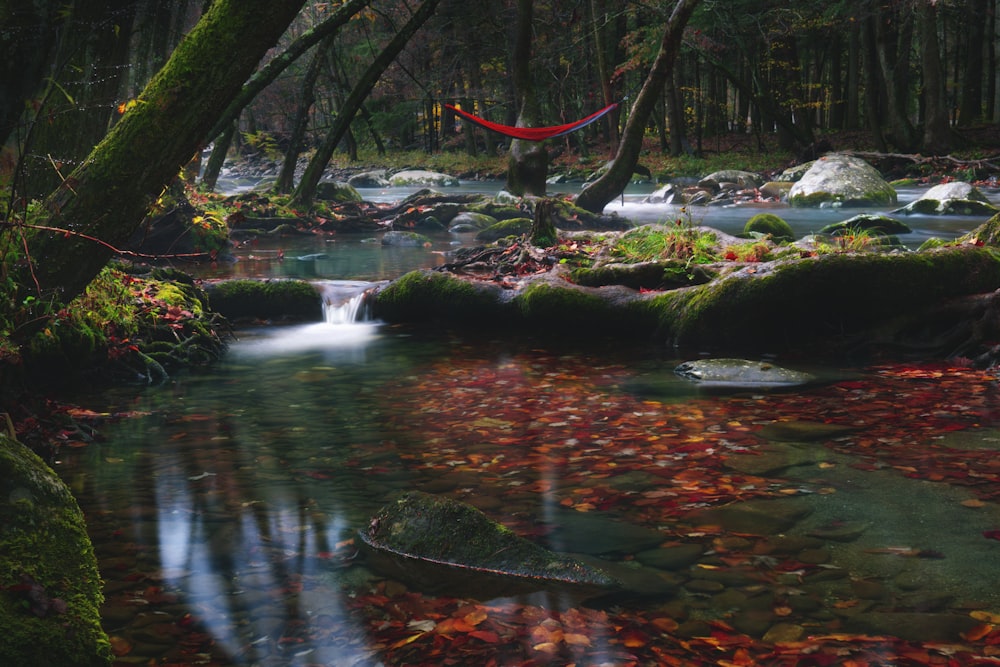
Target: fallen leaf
(973, 502)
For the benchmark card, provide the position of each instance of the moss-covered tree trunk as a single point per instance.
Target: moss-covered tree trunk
(528, 161)
(103, 201)
(597, 195)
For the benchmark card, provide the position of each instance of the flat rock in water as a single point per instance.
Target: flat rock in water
(756, 517)
(803, 431)
(441, 545)
(741, 374)
(769, 460)
(593, 533)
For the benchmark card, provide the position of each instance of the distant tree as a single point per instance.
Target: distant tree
(612, 183)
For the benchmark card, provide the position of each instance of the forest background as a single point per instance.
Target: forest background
(753, 85)
(764, 78)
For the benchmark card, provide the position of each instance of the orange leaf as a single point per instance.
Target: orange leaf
(973, 502)
(978, 632)
(407, 640)
(985, 616)
(576, 639)
(664, 624)
(475, 617)
(485, 635)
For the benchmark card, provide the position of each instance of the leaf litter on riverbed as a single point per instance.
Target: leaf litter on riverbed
(505, 423)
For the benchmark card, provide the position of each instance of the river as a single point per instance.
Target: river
(862, 521)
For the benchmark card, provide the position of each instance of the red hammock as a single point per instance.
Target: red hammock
(532, 133)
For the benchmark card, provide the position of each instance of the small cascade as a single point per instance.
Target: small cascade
(345, 302)
(353, 310)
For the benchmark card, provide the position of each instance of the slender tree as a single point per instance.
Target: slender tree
(305, 193)
(612, 183)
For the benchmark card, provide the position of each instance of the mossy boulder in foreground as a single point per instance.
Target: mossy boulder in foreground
(443, 545)
(50, 588)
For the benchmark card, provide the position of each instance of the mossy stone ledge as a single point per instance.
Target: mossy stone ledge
(266, 300)
(50, 587)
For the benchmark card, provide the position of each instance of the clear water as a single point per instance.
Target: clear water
(224, 507)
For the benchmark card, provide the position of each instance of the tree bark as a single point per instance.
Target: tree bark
(103, 201)
(937, 129)
(305, 193)
(528, 161)
(971, 110)
(612, 183)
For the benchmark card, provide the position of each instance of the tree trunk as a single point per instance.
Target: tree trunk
(612, 183)
(528, 161)
(976, 19)
(894, 39)
(103, 201)
(210, 176)
(269, 72)
(602, 25)
(286, 179)
(305, 193)
(937, 129)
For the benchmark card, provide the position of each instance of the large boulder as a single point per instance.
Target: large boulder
(50, 588)
(421, 177)
(441, 545)
(957, 198)
(841, 180)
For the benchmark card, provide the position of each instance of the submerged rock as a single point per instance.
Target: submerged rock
(741, 374)
(876, 224)
(958, 198)
(841, 180)
(441, 545)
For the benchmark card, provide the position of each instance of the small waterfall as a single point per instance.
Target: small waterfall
(353, 310)
(344, 302)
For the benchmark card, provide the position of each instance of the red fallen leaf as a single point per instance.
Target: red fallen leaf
(993, 534)
(487, 636)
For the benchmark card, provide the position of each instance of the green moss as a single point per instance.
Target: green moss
(771, 225)
(785, 304)
(505, 228)
(422, 296)
(548, 307)
(266, 299)
(43, 540)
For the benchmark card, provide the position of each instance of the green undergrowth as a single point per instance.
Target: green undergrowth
(124, 326)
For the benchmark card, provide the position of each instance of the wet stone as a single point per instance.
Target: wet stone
(928, 602)
(869, 590)
(841, 531)
(770, 460)
(784, 632)
(765, 517)
(814, 556)
(703, 586)
(591, 533)
(672, 557)
(912, 626)
(693, 628)
(786, 544)
(753, 622)
(803, 431)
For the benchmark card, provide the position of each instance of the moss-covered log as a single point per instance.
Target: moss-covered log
(50, 588)
(266, 300)
(764, 307)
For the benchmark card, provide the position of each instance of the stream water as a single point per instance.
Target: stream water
(860, 516)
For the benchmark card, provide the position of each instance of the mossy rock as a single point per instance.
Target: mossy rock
(50, 587)
(866, 222)
(784, 305)
(664, 274)
(428, 296)
(505, 228)
(266, 300)
(404, 239)
(442, 545)
(768, 224)
(841, 180)
(337, 192)
(987, 234)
